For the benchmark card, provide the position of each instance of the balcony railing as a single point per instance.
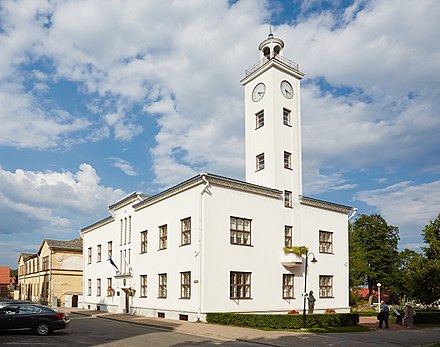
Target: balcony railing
(289, 63)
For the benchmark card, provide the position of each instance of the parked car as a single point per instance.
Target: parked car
(41, 319)
(6, 302)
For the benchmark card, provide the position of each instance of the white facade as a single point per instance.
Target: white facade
(234, 260)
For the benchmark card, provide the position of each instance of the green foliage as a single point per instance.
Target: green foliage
(373, 252)
(298, 250)
(283, 321)
(427, 317)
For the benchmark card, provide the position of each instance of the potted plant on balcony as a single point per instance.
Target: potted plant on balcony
(298, 250)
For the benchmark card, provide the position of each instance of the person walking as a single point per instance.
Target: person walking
(383, 315)
(409, 315)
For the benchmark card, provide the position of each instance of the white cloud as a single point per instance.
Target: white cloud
(406, 205)
(124, 165)
(52, 202)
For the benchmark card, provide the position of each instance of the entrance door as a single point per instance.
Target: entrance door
(127, 302)
(74, 300)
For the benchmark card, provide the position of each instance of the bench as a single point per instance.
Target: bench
(398, 316)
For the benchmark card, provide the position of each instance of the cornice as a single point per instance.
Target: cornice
(96, 225)
(324, 204)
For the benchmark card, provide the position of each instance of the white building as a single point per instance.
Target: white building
(215, 244)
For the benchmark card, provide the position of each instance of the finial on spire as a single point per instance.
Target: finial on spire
(270, 25)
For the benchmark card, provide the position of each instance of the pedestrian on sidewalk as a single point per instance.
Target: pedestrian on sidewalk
(409, 315)
(383, 315)
(312, 300)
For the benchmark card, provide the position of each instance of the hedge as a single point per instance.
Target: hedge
(283, 321)
(427, 317)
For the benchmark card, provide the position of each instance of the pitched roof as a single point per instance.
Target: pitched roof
(71, 245)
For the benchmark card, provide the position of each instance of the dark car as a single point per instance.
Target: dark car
(6, 302)
(41, 319)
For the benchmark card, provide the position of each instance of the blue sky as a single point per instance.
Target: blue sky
(99, 99)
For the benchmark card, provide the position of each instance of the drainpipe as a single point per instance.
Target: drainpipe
(200, 251)
(353, 213)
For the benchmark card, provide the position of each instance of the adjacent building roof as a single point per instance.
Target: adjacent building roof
(71, 245)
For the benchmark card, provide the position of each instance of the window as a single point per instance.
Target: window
(259, 119)
(325, 286)
(287, 160)
(288, 239)
(144, 241)
(162, 286)
(122, 231)
(110, 249)
(98, 259)
(110, 290)
(185, 285)
(89, 255)
(45, 262)
(143, 286)
(129, 229)
(287, 198)
(163, 242)
(240, 231)
(286, 117)
(325, 242)
(125, 230)
(89, 287)
(98, 287)
(288, 286)
(260, 162)
(240, 285)
(185, 238)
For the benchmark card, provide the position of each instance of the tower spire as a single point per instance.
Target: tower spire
(270, 25)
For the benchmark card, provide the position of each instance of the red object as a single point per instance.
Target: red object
(293, 312)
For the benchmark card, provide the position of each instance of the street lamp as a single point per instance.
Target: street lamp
(305, 285)
(378, 295)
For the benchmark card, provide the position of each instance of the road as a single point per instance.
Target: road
(89, 331)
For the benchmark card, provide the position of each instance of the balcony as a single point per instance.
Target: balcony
(274, 57)
(290, 259)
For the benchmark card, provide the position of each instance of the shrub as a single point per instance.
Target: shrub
(283, 321)
(427, 317)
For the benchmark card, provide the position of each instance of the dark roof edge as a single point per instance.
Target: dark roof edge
(324, 204)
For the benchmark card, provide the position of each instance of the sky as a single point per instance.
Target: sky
(99, 99)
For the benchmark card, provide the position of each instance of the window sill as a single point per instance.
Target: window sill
(185, 244)
(240, 244)
(185, 298)
(235, 299)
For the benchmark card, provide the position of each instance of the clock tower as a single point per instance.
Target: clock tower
(273, 121)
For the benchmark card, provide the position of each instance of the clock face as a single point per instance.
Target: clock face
(286, 89)
(258, 92)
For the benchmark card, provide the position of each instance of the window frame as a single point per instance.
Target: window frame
(185, 285)
(325, 246)
(144, 241)
(98, 287)
(288, 236)
(325, 290)
(185, 231)
(162, 286)
(288, 199)
(89, 255)
(288, 286)
(109, 249)
(144, 286)
(287, 160)
(240, 285)
(287, 117)
(259, 162)
(163, 237)
(240, 237)
(259, 119)
(98, 254)
(89, 287)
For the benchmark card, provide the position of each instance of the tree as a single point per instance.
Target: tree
(373, 252)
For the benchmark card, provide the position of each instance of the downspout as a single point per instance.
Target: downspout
(200, 251)
(353, 213)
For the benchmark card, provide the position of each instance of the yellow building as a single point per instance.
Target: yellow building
(53, 276)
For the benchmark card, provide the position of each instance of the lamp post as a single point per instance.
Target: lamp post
(305, 286)
(378, 295)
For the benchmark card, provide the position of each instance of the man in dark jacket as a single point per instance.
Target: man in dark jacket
(384, 314)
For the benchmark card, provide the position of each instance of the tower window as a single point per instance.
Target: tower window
(266, 52)
(287, 160)
(287, 119)
(259, 119)
(276, 50)
(260, 161)
(287, 198)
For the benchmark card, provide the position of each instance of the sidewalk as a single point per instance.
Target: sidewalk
(216, 331)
